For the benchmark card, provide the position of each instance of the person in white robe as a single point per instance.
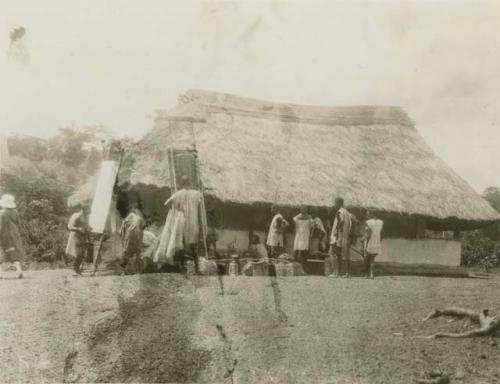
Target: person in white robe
(181, 232)
(372, 242)
(303, 226)
(275, 237)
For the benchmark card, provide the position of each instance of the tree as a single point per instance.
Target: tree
(70, 156)
(94, 158)
(29, 147)
(42, 175)
(479, 249)
(41, 203)
(73, 144)
(482, 246)
(492, 196)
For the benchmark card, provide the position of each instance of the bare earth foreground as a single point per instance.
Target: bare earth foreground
(166, 328)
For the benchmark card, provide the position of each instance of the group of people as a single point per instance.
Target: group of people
(80, 243)
(177, 242)
(179, 239)
(342, 237)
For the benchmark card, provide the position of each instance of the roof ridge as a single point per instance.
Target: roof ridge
(216, 102)
(215, 97)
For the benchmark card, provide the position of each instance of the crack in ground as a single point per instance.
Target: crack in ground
(283, 317)
(231, 361)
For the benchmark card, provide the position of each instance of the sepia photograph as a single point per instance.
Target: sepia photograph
(250, 191)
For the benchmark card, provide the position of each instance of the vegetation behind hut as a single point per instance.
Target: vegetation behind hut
(482, 247)
(42, 174)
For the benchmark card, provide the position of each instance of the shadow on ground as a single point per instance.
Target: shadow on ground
(149, 338)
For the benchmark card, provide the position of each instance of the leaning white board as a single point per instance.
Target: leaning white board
(103, 195)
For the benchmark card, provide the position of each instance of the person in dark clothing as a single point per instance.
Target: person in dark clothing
(11, 247)
(132, 232)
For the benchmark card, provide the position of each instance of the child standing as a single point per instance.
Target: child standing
(373, 239)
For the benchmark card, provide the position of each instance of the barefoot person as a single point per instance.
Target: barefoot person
(303, 226)
(132, 231)
(78, 226)
(275, 238)
(11, 246)
(340, 239)
(372, 242)
(182, 227)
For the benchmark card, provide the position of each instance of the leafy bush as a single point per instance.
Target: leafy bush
(45, 232)
(478, 249)
(41, 174)
(482, 247)
(41, 203)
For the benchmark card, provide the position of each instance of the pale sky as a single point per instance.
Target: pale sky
(115, 62)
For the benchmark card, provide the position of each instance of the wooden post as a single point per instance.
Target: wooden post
(97, 253)
(173, 176)
(204, 222)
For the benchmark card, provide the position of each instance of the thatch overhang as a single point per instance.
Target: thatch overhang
(257, 152)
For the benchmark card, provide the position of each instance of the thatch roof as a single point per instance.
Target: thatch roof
(256, 151)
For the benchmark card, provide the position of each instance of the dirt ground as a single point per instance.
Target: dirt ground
(166, 328)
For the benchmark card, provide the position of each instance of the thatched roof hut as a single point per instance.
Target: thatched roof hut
(253, 151)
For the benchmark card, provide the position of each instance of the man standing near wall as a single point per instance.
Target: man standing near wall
(78, 226)
(340, 239)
